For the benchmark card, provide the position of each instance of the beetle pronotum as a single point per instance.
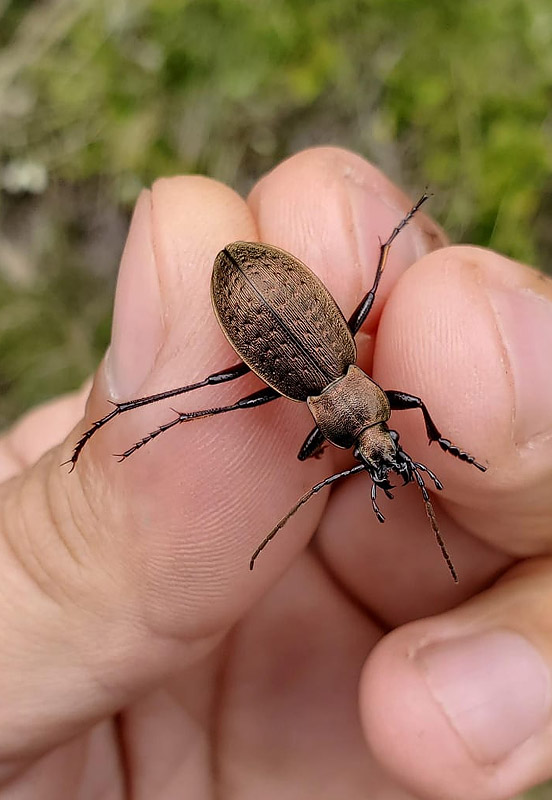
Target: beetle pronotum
(287, 328)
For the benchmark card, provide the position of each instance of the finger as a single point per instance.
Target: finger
(331, 209)
(473, 330)
(459, 705)
(300, 677)
(86, 560)
(466, 330)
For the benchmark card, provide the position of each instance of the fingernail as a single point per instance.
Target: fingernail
(137, 329)
(493, 687)
(524, 319)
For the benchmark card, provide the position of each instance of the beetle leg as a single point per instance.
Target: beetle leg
(229, 374)
(300, 502)
(432, 475)
(251, 401)
(363, 308)
(313, 445)
(400, 401)
(375, 506)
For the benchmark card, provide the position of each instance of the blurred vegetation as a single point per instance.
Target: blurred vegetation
(99, 98)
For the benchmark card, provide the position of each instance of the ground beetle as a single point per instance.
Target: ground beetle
(283, 322)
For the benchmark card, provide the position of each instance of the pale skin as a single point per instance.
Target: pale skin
(140, 657)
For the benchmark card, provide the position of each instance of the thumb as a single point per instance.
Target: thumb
(84, 624)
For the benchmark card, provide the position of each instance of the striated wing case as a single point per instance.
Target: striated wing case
(280, 319)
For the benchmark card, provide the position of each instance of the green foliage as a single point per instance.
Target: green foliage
(105, 96)
(43, 346)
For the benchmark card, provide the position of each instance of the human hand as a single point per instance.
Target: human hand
(141, 657)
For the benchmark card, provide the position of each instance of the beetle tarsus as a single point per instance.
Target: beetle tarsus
(454, 450)
(375, 506)
(89, 433)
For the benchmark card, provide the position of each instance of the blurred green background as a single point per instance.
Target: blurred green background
(98, 99)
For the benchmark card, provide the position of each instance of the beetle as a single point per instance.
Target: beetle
(287, 328)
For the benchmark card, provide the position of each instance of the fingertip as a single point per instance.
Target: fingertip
(403, 727)
(193, 218)
(137, 328)
(409, 731)
(466, 329)
(458, 705)
(452, 329)
(438, 340)
(330, 208)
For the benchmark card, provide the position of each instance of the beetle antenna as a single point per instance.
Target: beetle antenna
(433, 521)
(302, 500)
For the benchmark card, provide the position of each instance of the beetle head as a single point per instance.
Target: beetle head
(378, 449)
(379, 452)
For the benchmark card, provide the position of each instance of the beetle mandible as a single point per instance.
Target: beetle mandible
(287, 328)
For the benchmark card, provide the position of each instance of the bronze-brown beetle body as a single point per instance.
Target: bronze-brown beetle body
(287, 328)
